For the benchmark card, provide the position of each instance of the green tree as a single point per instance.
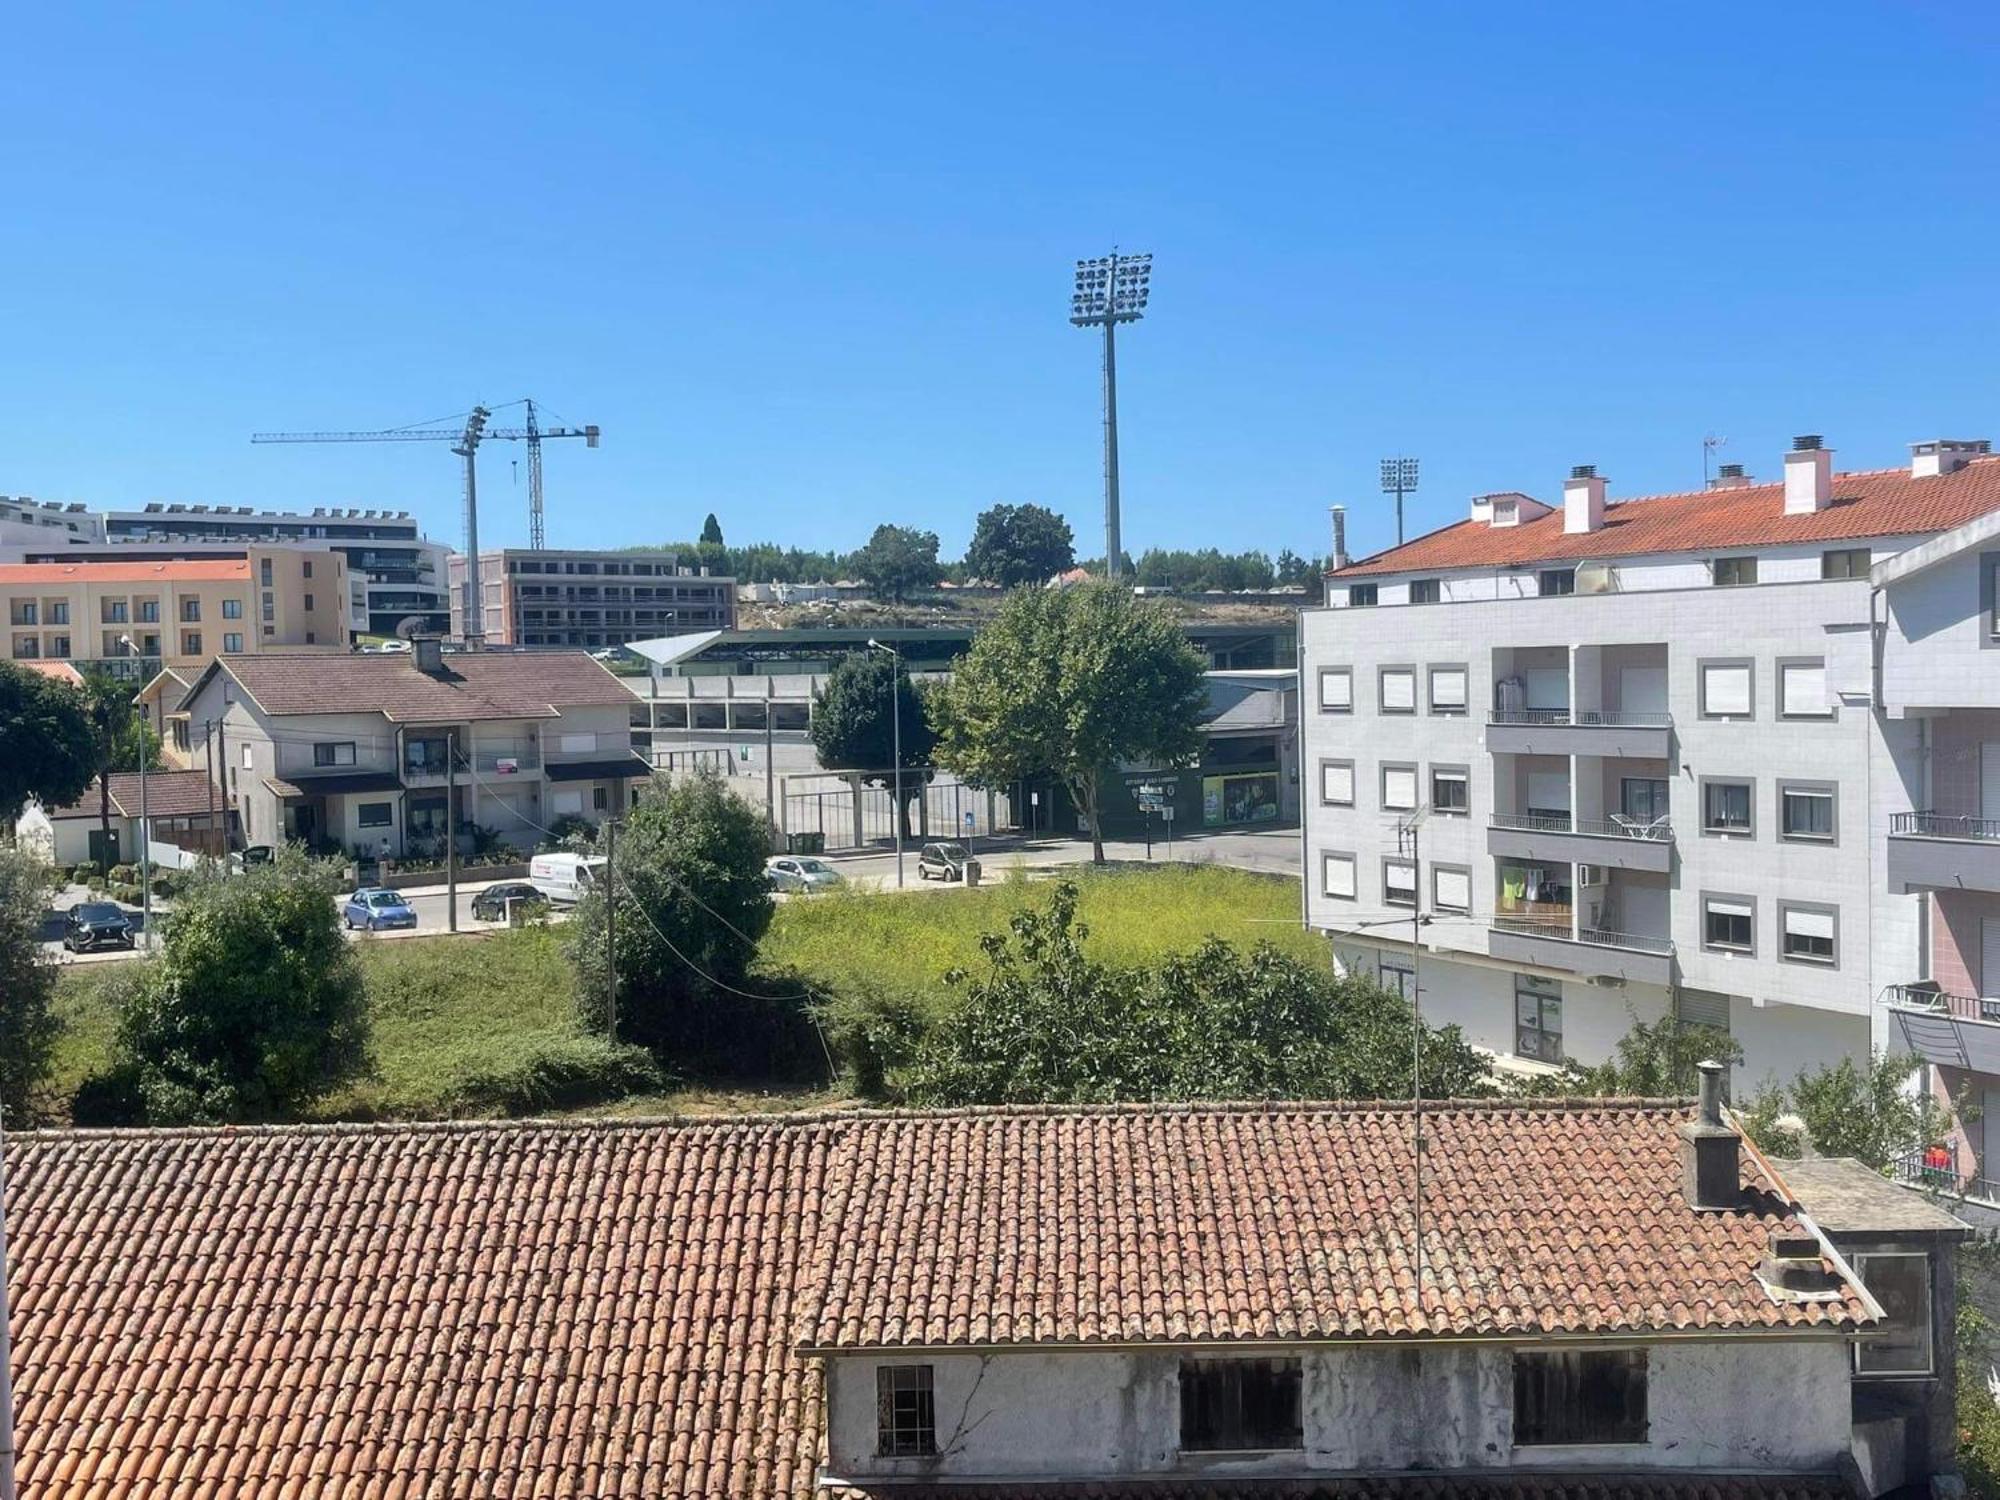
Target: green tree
(692, 904)
(254, 1008)
(1047, 1024)
(119, 735)
(897, 561)
(711, 531)
(1866, 1111)
(48, 749)
(28, 1025)
(1017, 544)
(1071, 683)
(854, 726)
(1654, 1060)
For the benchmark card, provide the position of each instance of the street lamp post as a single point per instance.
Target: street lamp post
(1110, 290)
(145, 830)
(896, 750)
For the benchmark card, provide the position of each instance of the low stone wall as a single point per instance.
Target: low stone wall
(403, 880)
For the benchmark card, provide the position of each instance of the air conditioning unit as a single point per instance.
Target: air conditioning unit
(1592, 875)
(1607, 981)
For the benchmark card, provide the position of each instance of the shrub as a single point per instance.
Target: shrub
(28, 1025)
(84, 871)
(124, 874)
(552, 1072)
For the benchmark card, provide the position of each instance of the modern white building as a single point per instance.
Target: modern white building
(394, 571)
(1621, 760)
(27, 522)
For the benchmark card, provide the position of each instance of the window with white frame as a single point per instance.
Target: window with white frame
(1726, 690)
(1336, 690)
(1336, 876)
(1447, 690)
(1725, 807)
(1399, 788)
(1399, 690)
(1336, 783)
(1729, 924)
(1802, 690)
(1399, 882)
(1426, 590)
(1901, 1343)
(1806, 811)
(1451, 888)
(1809, 934)
(1451, 790)
(334, 753)
(1538, 1018)
(905, 1412)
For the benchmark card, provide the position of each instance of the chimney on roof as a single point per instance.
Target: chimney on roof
(1808, 476)
(1945, 455)
(1730, 477)
(1339, 535)
(1583, 499)
(427, 652)
(1711, 1151)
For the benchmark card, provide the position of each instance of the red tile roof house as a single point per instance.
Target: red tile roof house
(1615, 1299)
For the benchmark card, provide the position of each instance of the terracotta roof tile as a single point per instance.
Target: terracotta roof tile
(472, 685)
(169, 794)
(55, 574)
(1877, 503)
(610, 1308)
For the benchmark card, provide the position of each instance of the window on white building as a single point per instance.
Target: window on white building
(1802, 690)
(1538, 1018)
(1901, 1343)
(1451, 888)
(1729, 924)
(1397, 976)
(1336, 783)
(1336, 873)
(1806, 811)
(1399, 690)
(1336, 690)
(1241, 1405)
(1451, 789)
(1447, 690)
(1399, 882)
(1735, 572)
(1426, 590)
(905, 1412)
(336, 753)
(1564, 1397)
(1725, 807)
(1399, 788)
(1809, 934)
(1726, 691)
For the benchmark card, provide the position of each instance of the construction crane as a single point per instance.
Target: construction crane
(465, 443)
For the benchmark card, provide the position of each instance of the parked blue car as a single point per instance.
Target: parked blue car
(374, 908)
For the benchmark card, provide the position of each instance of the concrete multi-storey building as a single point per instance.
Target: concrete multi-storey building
(380, 754)
(394, 572)
(176, 613)
(591, 599)
(25, 522)
(1626, 760)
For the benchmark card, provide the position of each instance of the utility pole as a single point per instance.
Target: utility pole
(611, 927)
(208, 754)
(451, 829)
(1110, 290)
(222, 754)
(770, 772)
(145, 831)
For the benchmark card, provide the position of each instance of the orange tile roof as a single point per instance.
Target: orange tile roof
(53, 574)
(169, 794)
(615, 1308)
(61, 671)
(1877, 503)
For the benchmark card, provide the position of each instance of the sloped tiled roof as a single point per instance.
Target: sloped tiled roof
(1875, 503)
(55, 574)
(472, 685)
(1292, 1222)
(61, 671)
(615, 1308)
(169, 794)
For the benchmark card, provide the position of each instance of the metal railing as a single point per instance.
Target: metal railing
(1918, 1169)
(1587, 718)
(1926, 996)
(1597, 937)
(1933, 825)
(1659, 830)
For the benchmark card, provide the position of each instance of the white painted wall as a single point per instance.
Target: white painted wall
(1771, 1403)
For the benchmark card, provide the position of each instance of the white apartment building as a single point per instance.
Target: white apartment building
(1627, 759)
(27, 522)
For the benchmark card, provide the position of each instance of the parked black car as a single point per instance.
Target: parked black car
(490, 905)
(96, 924)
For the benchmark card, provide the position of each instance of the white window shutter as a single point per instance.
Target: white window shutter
(1725, 689)
(1454, 888)
(1448, 688)
(1399, 789)
(1336, 689)
(1810, 924)
(1399, 690)
(1732, 909)
(1336, 783)
(1338, 872)
(1804, 688)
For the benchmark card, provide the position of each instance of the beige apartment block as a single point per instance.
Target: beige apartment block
(175, 613)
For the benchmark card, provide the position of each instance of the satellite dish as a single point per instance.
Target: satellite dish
(410, 627)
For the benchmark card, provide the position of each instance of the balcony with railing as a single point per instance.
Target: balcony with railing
(1639, 733)
(1619, 842)
(1942, 850)
(1939, 1170)
(1953, 1031)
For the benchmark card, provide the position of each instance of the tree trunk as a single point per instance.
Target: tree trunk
(1084, 793)
(104, 812)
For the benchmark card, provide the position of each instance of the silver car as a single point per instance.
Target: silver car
(799, 872)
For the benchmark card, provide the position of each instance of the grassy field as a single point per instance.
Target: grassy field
(476, 1026)
(845, 943)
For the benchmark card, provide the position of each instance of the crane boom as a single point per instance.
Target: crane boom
(467, 440)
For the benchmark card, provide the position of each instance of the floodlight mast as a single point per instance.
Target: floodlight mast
(1111, 289)
(1399, 478)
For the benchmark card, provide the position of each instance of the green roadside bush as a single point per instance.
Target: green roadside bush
(538, 1073)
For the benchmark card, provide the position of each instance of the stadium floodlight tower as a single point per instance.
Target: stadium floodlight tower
(1110, 290)
(1399, 478)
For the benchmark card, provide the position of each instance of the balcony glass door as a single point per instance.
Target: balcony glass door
(1642, 798)
(1989, 780)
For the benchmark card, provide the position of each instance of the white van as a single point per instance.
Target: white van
(563, 878)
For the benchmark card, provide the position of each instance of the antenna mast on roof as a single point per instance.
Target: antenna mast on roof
(1708, 446)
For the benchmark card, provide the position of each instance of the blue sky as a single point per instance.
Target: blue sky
(808, 265)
